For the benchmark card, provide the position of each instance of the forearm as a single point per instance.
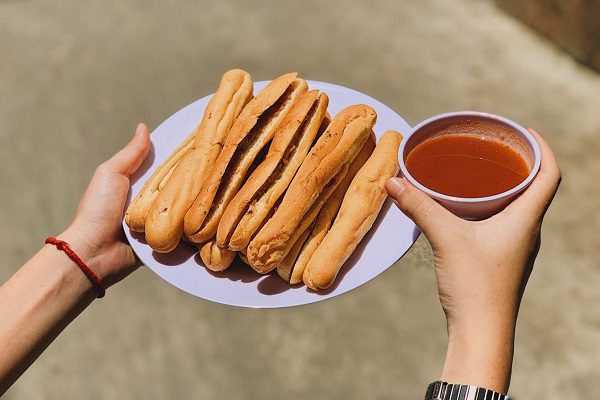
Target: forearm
(480, 352)
(36, 304)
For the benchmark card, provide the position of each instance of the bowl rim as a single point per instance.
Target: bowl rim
(440, 196)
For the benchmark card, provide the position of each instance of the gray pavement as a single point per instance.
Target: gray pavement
(76, 77)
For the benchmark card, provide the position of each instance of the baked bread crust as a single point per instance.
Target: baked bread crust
(246, 212)
(272, 179)
(285, 268)
(242, 256)
(294, 267)
(164, 224)
(137, 212)
(216, 258)
(333, 152)
(250, 133)
(358, 211)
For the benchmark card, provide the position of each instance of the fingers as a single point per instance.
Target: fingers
(429, 216)
(536, 199)
(129, 158)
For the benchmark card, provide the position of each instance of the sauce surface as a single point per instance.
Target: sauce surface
(466, 165)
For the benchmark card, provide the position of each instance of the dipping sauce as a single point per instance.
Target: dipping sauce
(466, 165)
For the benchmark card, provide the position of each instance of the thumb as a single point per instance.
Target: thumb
(429, 216)
(129, 158)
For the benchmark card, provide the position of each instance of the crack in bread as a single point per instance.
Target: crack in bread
(312, 213)
(325, 218)
(251, 145)
(308, 222)
(253, 130)
(249, 208)
(334, 151)
(164, 223)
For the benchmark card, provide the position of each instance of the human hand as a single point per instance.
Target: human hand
(482, 268)
(96, 233)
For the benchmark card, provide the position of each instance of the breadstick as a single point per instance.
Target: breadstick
(309, 219)
(216, 258)
(250, 206)
(242, 255)
(338, 145)
(293, 267)
(286, 267)
(358, 211)
(137, 212)
(253, 129)
(164, 224)
(300, 235)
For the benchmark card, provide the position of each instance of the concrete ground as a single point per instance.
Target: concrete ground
(76, 77)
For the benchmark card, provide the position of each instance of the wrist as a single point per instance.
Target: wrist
(480, 352)
(107, 257)
(84, 264)
(481, 315)
(62, 276)
(82, 246)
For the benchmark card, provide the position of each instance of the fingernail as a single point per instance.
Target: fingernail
(395, 186)
(139, 128)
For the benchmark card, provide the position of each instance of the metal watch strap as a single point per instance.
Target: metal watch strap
(449, 391)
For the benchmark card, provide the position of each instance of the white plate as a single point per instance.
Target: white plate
(392, 234)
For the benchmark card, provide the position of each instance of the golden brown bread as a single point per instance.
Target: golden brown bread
(242, 255)
(216, 258)
(295, 262)
(137, 212)
(246, 212)
(286, 266)
(253, 129)
(338, 145)
(164, 224)
(309, 218)
(358, 211)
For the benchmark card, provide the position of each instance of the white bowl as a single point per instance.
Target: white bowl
(485, 124)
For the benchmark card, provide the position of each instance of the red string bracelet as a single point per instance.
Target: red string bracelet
(91, 275)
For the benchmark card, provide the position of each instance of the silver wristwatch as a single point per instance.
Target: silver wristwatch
(450, 391)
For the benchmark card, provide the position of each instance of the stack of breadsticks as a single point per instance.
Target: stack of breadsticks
(271, 178)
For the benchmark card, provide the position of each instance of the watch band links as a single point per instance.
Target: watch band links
(448, 391)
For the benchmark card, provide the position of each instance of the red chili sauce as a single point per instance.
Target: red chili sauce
(466, 165)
